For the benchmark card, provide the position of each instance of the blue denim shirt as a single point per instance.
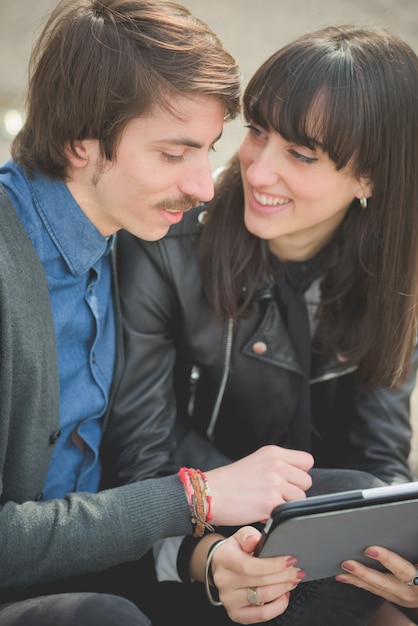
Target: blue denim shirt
(76, 259)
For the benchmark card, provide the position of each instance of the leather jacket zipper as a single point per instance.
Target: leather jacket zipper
(225, 374)
(334, 374)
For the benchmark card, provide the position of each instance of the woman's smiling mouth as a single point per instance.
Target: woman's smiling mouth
(269, 200)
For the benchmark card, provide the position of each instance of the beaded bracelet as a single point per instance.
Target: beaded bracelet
(198, 506)
(207, 494)
(208, 573)
(199, 497)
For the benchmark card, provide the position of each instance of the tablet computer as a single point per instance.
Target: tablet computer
(323, 531)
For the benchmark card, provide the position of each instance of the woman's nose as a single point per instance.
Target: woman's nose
(263, 170)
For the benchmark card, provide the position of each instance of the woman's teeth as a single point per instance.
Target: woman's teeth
(268, 200)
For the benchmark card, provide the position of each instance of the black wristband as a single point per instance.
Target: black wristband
(184, 555)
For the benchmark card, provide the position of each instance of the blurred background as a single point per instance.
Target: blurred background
(251, 31)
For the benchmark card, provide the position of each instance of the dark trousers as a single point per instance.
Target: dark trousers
(72, 609)
(109, 598)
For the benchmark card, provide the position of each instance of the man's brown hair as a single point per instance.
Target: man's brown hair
(98, 64)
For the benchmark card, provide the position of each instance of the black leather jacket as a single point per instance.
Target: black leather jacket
(231, 391)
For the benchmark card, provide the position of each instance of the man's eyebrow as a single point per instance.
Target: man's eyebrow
(185, 141)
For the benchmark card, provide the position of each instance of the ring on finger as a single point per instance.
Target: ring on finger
(252, 596)
(414, 579)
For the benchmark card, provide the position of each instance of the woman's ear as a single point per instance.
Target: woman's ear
(365, 189)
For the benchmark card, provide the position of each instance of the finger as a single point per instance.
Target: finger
(295, 486)
(368, 578)
(298, 458)
(397, 592)
(258, 573)
(236, 555)
(248, 538)
(258, 596)
(247, 614)
(400, 567)
(269, 593)
(383, 584)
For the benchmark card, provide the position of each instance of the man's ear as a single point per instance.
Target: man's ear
(80, 153)
(366, 188)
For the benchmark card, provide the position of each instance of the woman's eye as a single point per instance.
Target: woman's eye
(173, 158)
(254, 130)
(303, 158)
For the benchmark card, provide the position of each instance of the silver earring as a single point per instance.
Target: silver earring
(363, 203)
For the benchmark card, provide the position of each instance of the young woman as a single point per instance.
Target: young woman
(285, 311)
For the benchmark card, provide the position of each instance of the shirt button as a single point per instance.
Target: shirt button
(54, 437)
(259, 347)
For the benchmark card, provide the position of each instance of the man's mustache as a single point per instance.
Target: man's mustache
(180, 204)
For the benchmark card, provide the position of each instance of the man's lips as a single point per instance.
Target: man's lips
(173, 216)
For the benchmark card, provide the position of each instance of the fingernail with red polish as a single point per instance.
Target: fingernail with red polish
(348, 566)
(291, 561)
(371, 552)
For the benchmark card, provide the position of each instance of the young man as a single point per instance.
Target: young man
(126, 99)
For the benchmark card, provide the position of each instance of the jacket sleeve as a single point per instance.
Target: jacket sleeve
(193, 450)
(380, 435)
(146, 408)
(139, 441)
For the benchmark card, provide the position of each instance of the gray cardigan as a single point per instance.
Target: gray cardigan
(42, 541)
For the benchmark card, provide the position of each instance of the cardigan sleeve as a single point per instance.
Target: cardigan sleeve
(82, 532)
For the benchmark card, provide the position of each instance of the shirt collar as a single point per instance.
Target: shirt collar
(75, 236)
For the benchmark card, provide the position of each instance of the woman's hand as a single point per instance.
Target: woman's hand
(247, 490)
(390, 585)
(235, 571)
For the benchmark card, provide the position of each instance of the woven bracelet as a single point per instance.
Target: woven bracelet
(198, 494)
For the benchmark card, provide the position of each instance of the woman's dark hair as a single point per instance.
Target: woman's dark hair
(355, 91)
(98, 64)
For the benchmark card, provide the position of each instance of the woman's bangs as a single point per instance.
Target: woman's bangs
(314, 106)
(275, 105)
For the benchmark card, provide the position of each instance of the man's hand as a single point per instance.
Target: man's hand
(247, 490)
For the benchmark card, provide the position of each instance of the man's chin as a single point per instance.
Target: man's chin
(152, 235)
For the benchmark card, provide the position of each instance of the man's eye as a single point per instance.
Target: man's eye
(173, 158)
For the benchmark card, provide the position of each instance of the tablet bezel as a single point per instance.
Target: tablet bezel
(323, 531)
